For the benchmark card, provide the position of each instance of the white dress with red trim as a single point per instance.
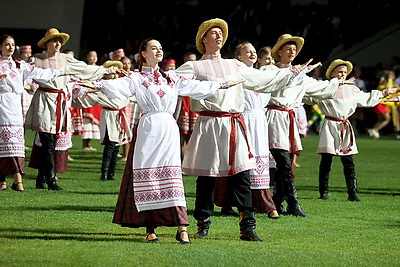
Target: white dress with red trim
(157, 174)
(12, 142)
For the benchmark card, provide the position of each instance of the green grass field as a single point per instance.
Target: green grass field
(73, 227)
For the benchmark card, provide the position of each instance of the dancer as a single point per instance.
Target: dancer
(13, 74)
(257, 129)
(152, 192)
(284, 137)
(218, 146)
(48, 114)
(337, 137)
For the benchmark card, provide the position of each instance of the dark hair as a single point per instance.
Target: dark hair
(142, 60)
(2, 39)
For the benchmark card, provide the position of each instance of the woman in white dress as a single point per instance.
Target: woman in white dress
(152, 192)
(12, 144)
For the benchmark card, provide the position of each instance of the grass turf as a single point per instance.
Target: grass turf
(73, 227)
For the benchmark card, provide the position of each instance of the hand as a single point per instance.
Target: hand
(233, 83)
(72, 73)
(2, 76)
(302, 67)
(392, 90)
(393, 99)
(87, 84)
(319, 64)
(350, 81)
(91, 90)
(122, 72)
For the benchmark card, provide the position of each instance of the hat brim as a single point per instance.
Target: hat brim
(299, 41)
(64, 37)
(207, 25)
(110, 63)
(335, 64)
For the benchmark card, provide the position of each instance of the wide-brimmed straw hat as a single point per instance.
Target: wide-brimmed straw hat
(338, 62)
(299, 41)
(205, 26)
(110, 63)
(51, 34)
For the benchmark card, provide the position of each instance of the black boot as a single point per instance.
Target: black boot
(247, 224)
(106, 160)
(113, 164)
(350, 175)
(40, 180)
(47, 165)
(324, 170)
(293, 207)
(105, 164)
(352, 190)
(278, 198)
(202, 228)
(52, 183)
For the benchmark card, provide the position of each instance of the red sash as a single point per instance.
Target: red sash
(122, 119)
(59, 101)
(292, 140)
(343, 124)
(232, 138)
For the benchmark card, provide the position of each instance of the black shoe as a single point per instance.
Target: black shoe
(353, 197)
(110, 178)
(103, 177)
(250, 235)
(202, 229)
(15, 188)
(295, 211)
(324, 196)
(229, 212)
(53, 186)
(178, 238)
(40, 186)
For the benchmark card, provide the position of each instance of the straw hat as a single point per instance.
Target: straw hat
(338, 62)
(205, 26)
(110, 63)
(51, 34)
(283, 40)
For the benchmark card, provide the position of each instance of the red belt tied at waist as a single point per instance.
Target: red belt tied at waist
(292, 140)
(122, 119)
(343, 124)
(60, 96)
(232, 138)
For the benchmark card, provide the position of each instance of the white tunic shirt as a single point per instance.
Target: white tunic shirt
(42, 114)
(336, 135)
(112, 118)
(290, 98)
(209, 147)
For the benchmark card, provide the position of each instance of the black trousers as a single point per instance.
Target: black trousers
(242, 198)
(47, 164)
(325, 168)
(110, 154)
(284, 188)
